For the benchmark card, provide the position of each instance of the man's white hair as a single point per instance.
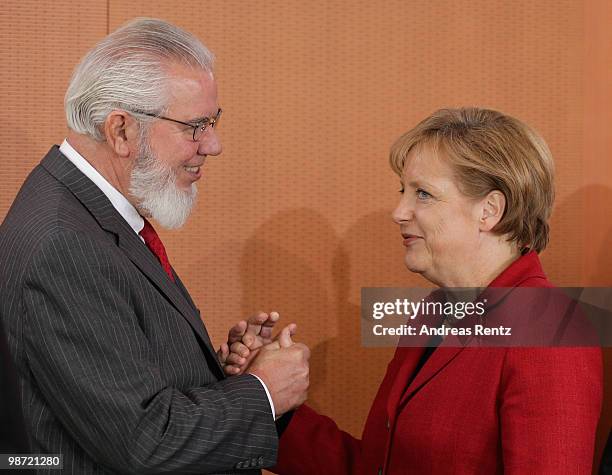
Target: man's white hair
(128, 70)
(153, 185)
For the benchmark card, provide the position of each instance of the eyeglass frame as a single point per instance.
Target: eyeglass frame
(201, 125)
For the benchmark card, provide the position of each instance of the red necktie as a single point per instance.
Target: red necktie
(154, 243)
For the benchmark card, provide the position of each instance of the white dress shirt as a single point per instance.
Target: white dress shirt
(123, 207)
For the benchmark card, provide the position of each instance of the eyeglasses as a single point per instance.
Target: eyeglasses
(198, 127)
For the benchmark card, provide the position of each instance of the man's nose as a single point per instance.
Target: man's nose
(209, 143)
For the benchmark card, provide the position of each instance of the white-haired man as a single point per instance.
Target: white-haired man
(116, 369)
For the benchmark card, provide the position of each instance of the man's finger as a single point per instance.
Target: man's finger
(268, 325)
(235, 359)
(255, 322)
(249, 340)
(237, 331)
(258, 319)
(240, 349)
(223, 353)
(231, 370)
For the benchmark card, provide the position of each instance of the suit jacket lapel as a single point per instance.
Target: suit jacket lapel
(144, 259)
(128, 241)
(214, 361)
(184, 291)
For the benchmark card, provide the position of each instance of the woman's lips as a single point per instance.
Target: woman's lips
(410, 239)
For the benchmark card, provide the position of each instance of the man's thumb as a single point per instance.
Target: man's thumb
(284, 338)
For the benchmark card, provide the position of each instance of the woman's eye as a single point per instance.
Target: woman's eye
(402, 190)
(422, 194)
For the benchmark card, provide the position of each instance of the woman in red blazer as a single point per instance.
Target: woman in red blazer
(477, 195)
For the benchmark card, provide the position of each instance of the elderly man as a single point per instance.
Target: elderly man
(116, 369)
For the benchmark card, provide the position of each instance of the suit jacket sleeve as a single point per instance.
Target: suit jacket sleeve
(13, 438)
(551, 402)
(95, 366)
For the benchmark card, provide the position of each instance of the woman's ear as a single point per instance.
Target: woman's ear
(492, 210)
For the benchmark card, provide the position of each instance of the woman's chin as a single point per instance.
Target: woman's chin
(413, 265)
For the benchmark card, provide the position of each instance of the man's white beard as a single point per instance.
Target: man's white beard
(153, 185)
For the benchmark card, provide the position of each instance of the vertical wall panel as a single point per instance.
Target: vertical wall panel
(595, 196)
(40, 43)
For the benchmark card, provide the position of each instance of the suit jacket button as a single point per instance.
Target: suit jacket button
(239, 465)
(379, 470)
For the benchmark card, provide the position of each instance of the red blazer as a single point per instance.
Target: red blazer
(468, 411)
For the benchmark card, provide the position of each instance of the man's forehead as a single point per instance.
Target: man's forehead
(183, 69)
(187, 80)
(193, 93)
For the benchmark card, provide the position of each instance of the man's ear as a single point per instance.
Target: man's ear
(492, 210)
(118, 131)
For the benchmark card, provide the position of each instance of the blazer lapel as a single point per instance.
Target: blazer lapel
(407, 359)
(128, 241)
(406, 383)
(526, 269)
(439, 359)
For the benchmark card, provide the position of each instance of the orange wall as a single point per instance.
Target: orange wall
(294, 215)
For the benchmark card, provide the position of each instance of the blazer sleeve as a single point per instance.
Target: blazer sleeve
(550, 405)
(313, 443)
(101, 378)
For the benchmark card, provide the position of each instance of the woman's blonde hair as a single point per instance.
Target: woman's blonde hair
(490, 151)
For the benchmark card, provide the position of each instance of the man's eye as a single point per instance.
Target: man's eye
(198, 125)
(422, 194)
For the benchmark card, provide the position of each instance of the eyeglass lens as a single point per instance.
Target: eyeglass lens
(199, 131)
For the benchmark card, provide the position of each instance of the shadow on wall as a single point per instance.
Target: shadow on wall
(580, 248)
(580, 254)
(284, 268)
(297, 263)
(599, 206)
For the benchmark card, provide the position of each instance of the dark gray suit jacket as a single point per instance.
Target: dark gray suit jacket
(116, 368)
(13, 439)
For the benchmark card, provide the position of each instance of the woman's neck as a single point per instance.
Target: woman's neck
(482, 267)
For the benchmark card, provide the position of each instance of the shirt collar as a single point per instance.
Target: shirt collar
(119, 202)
